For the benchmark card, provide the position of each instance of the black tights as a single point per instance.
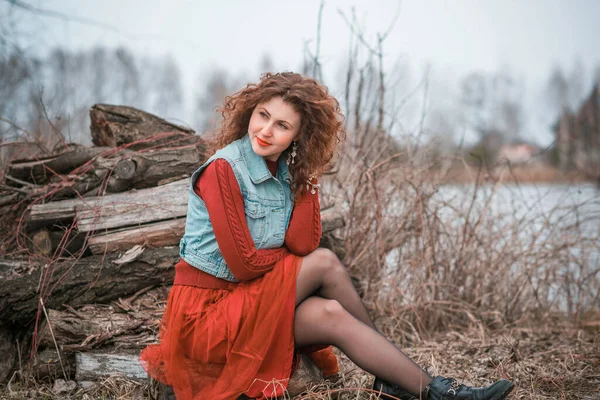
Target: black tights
(330, 312)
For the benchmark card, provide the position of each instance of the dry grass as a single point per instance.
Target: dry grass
(546, 363)
(114, 388)
(430, 261)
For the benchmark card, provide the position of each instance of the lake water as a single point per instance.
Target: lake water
(539, 209)
(539, 227)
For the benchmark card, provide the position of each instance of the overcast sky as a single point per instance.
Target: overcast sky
(527, 36)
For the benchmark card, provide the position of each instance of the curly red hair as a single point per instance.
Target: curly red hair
(321, 126)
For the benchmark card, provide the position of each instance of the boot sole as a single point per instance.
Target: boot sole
(506, 392)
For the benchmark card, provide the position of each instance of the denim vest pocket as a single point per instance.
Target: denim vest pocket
(256, 218)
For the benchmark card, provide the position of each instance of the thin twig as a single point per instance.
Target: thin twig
(54, 339)
(6, 187)
(61, 138)
(20, 182)
(316, 63)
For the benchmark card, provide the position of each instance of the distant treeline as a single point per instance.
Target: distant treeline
(40, 95)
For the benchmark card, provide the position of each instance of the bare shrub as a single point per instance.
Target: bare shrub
(435, 257)
(431, 257)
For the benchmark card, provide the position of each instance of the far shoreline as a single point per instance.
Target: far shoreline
(462, 173)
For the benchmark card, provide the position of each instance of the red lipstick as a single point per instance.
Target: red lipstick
(262, 142)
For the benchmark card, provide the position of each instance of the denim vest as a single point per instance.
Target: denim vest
(268, 204)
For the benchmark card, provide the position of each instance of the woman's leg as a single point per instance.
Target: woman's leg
(323, 273)
(320, 321)
(338, 317)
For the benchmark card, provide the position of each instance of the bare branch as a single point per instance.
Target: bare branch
(317, 73)
(393, 22)
(354, 28)
(58, 15)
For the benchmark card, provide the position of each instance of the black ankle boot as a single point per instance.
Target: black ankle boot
(441, 388)
(393, 390)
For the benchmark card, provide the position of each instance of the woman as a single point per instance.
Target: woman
(252, 286)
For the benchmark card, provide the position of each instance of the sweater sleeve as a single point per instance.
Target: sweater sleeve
(219, 189)
(304, 232)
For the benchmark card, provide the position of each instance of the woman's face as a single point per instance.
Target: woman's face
(273, 126)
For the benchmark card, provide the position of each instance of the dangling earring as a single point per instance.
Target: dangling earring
(292, 156)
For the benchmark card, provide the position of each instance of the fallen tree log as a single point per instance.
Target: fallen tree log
(331, 219)
(153, 204)
(133, 208)
(8, 350)
(55, 212)
(45, 242)
(111, 174)
(156, 165)
(102, 212)
(94, 279)
(157, 234)
(92, 367)
(167, 204)
(98, 325)
(64, 187)
(49, 364)
(168, 233)
(145, 169)
(40, 171)
(115, 126)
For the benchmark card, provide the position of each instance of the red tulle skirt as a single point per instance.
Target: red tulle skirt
(222, 343)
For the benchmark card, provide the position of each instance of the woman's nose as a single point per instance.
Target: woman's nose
(267, 130)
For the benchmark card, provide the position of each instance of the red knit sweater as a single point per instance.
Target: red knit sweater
(219, 189)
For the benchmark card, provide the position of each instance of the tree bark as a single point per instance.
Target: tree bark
(93, 366)
(158, 234)
(115, 126)
(96, 325)
(133, 208)
(40, 171)
(102, 212)
(55, 212)
(138, 170)
(46, 242)
(50, 364)
(94, 279)
(8, 352)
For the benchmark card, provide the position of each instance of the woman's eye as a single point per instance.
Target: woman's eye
(263, 114)
(282, 126)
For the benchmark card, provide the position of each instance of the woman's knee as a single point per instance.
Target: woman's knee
(334, 270)
(321, 311)
(333, 311)
(326, 260)
(319, 321)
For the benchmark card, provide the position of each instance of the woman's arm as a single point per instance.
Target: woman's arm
(219, 189)
(304, 232)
